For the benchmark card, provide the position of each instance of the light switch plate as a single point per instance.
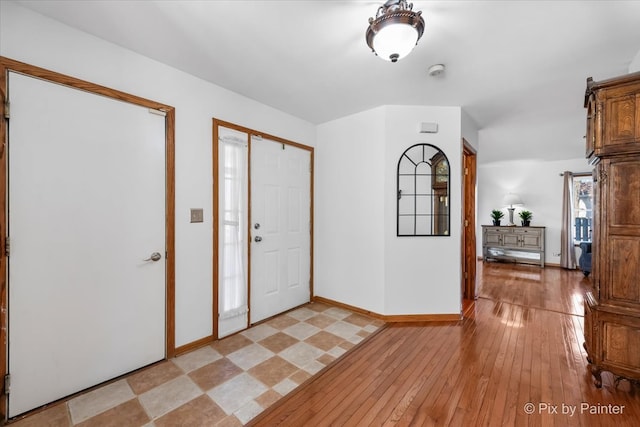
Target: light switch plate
(197, 215)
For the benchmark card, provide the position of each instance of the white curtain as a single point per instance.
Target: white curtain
(567, 250)
(233, 228)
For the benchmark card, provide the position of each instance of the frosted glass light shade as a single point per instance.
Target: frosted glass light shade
(512, 199)
(395, 41)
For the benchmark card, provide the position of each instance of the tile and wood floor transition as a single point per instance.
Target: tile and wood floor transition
(516, 359)
(518, 349)
(223, 384)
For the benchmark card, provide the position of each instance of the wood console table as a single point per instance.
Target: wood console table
(517, 244)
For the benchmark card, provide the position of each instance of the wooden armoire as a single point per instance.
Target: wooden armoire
(612, 307)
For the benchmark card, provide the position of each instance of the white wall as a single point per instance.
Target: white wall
(359, 258)
(538, 183)
(635, 63)
(34, 39)
(349, 208)
(470, 131)
(422, 274)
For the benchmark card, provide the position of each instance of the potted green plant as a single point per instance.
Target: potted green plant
(525, 216)
(496, 216)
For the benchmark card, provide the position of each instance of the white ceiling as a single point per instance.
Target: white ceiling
(518, 68)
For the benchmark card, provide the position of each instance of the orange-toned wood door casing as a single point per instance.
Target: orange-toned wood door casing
(469, 222)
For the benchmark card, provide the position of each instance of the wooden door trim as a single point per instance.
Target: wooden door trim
(216, 201)
(7, 65)
(468, 206)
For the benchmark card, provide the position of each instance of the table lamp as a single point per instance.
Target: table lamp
(510, 200)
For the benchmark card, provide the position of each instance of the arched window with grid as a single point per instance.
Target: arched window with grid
(423, 192)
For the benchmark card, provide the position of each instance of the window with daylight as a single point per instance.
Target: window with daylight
(582, 207)
(232, 230)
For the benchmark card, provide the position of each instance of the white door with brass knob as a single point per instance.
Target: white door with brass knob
(281, 235)
(87, 223)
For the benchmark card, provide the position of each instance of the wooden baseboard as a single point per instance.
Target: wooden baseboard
(444, 317)
(348, 307)
(393, 317)
(194, 345)
(385, 318)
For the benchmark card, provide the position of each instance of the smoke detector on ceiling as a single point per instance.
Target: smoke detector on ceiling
(436, 70)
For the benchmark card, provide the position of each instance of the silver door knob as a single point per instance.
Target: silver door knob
(154, 257)
(258, 239)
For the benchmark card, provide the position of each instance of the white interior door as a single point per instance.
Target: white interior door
(280, 227)
(86, 208)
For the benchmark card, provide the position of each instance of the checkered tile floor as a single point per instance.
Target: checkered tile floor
(226, 383)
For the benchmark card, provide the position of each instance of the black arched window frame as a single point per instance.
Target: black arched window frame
(429, 188)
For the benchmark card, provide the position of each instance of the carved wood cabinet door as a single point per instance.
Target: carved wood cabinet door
(621, 237)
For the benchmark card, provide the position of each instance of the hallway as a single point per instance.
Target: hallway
(518, 349)
(515, 359)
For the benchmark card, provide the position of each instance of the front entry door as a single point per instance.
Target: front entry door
(87, 227)
(280, 227)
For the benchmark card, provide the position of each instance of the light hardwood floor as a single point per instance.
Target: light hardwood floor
(515, 359)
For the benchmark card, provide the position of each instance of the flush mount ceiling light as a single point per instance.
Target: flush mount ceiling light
(395, 31)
